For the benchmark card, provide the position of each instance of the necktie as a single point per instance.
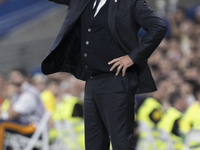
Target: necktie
(95, 7)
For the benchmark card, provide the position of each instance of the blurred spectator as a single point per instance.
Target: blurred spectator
(70, 109)
(10, 91)
(76, 87)
(50, 95)
(170, 121)
(172, 116)
(187, 91)
(191, 117)
(25, 108)
(39, 81)
(150, 110)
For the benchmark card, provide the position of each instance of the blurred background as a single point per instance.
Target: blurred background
(28, 28)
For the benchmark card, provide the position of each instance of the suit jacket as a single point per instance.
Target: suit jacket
(125, 18)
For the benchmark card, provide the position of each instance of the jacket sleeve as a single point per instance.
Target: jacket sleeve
(64, 2)
(155, 31)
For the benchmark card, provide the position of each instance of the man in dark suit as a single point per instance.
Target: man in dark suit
(98, 43)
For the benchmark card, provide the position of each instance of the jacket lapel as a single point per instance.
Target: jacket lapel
(81, 6)
(111, 17)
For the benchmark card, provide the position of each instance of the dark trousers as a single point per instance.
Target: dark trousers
(109, 111)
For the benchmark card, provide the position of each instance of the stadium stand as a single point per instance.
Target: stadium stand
(17, 12)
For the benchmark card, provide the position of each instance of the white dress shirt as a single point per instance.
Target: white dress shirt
(101, 3)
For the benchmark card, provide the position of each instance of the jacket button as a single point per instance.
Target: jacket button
(89, 29)
(86, 67)
(85, 55)
(87, 42)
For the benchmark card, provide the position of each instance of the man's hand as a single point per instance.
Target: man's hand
(122, 62)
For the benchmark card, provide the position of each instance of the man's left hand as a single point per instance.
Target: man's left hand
(121, 63)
